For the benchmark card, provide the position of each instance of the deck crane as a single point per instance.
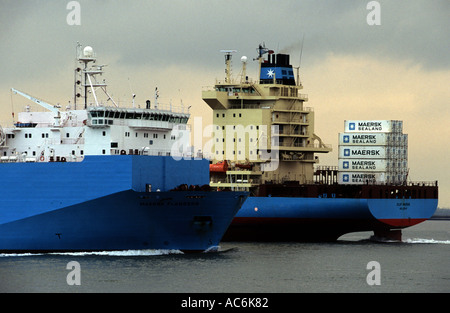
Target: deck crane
(43, 104)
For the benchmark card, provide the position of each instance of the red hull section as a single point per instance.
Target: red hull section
(403, 222)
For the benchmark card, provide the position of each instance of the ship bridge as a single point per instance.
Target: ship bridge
(136, 118)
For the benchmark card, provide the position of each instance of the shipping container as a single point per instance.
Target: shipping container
(365, 165)
(373, 139)
(360, 178)
(395, 178)
(397, 165)
(372, 152)
(366, 139)
(389, 177)
(364, 152)
(373, 165)
(376, 126)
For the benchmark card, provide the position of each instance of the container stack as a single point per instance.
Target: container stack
(373, 152)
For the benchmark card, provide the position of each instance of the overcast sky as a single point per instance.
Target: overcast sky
(350, 70)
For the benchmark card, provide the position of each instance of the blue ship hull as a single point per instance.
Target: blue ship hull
(105, 203)
(325, 219)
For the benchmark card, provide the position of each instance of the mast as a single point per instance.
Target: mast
(228, 64)
(77, 76)
(261, 51)
(87, 75)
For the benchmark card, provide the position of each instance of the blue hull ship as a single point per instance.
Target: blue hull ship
(106, 177)
(266, 143)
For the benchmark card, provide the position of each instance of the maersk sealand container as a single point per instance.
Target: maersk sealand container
(375, 126)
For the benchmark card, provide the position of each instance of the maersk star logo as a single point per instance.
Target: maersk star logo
(270, 73)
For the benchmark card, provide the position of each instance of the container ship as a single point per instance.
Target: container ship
(265, 143)
(105, 177)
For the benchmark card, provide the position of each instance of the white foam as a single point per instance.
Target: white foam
(421, 240)
(149, 252)
(212, 249)
(18, 254)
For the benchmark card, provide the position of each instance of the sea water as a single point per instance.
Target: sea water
(420, 263)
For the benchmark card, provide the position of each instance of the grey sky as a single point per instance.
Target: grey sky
(172, 32)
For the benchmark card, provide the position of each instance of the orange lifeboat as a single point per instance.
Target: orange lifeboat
(221, 167)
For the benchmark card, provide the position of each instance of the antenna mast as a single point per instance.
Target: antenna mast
(261, 51)
(300, 62)
(228, 64)
(86, 56)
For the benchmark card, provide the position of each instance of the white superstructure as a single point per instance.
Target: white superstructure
(97, 129)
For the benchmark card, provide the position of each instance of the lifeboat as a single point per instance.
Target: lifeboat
(221, 167)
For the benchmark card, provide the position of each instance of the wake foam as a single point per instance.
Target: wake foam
(127, 253)
(431, 241)
(409, 240)
(18, 254)
(212, 249)
(149, 252)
